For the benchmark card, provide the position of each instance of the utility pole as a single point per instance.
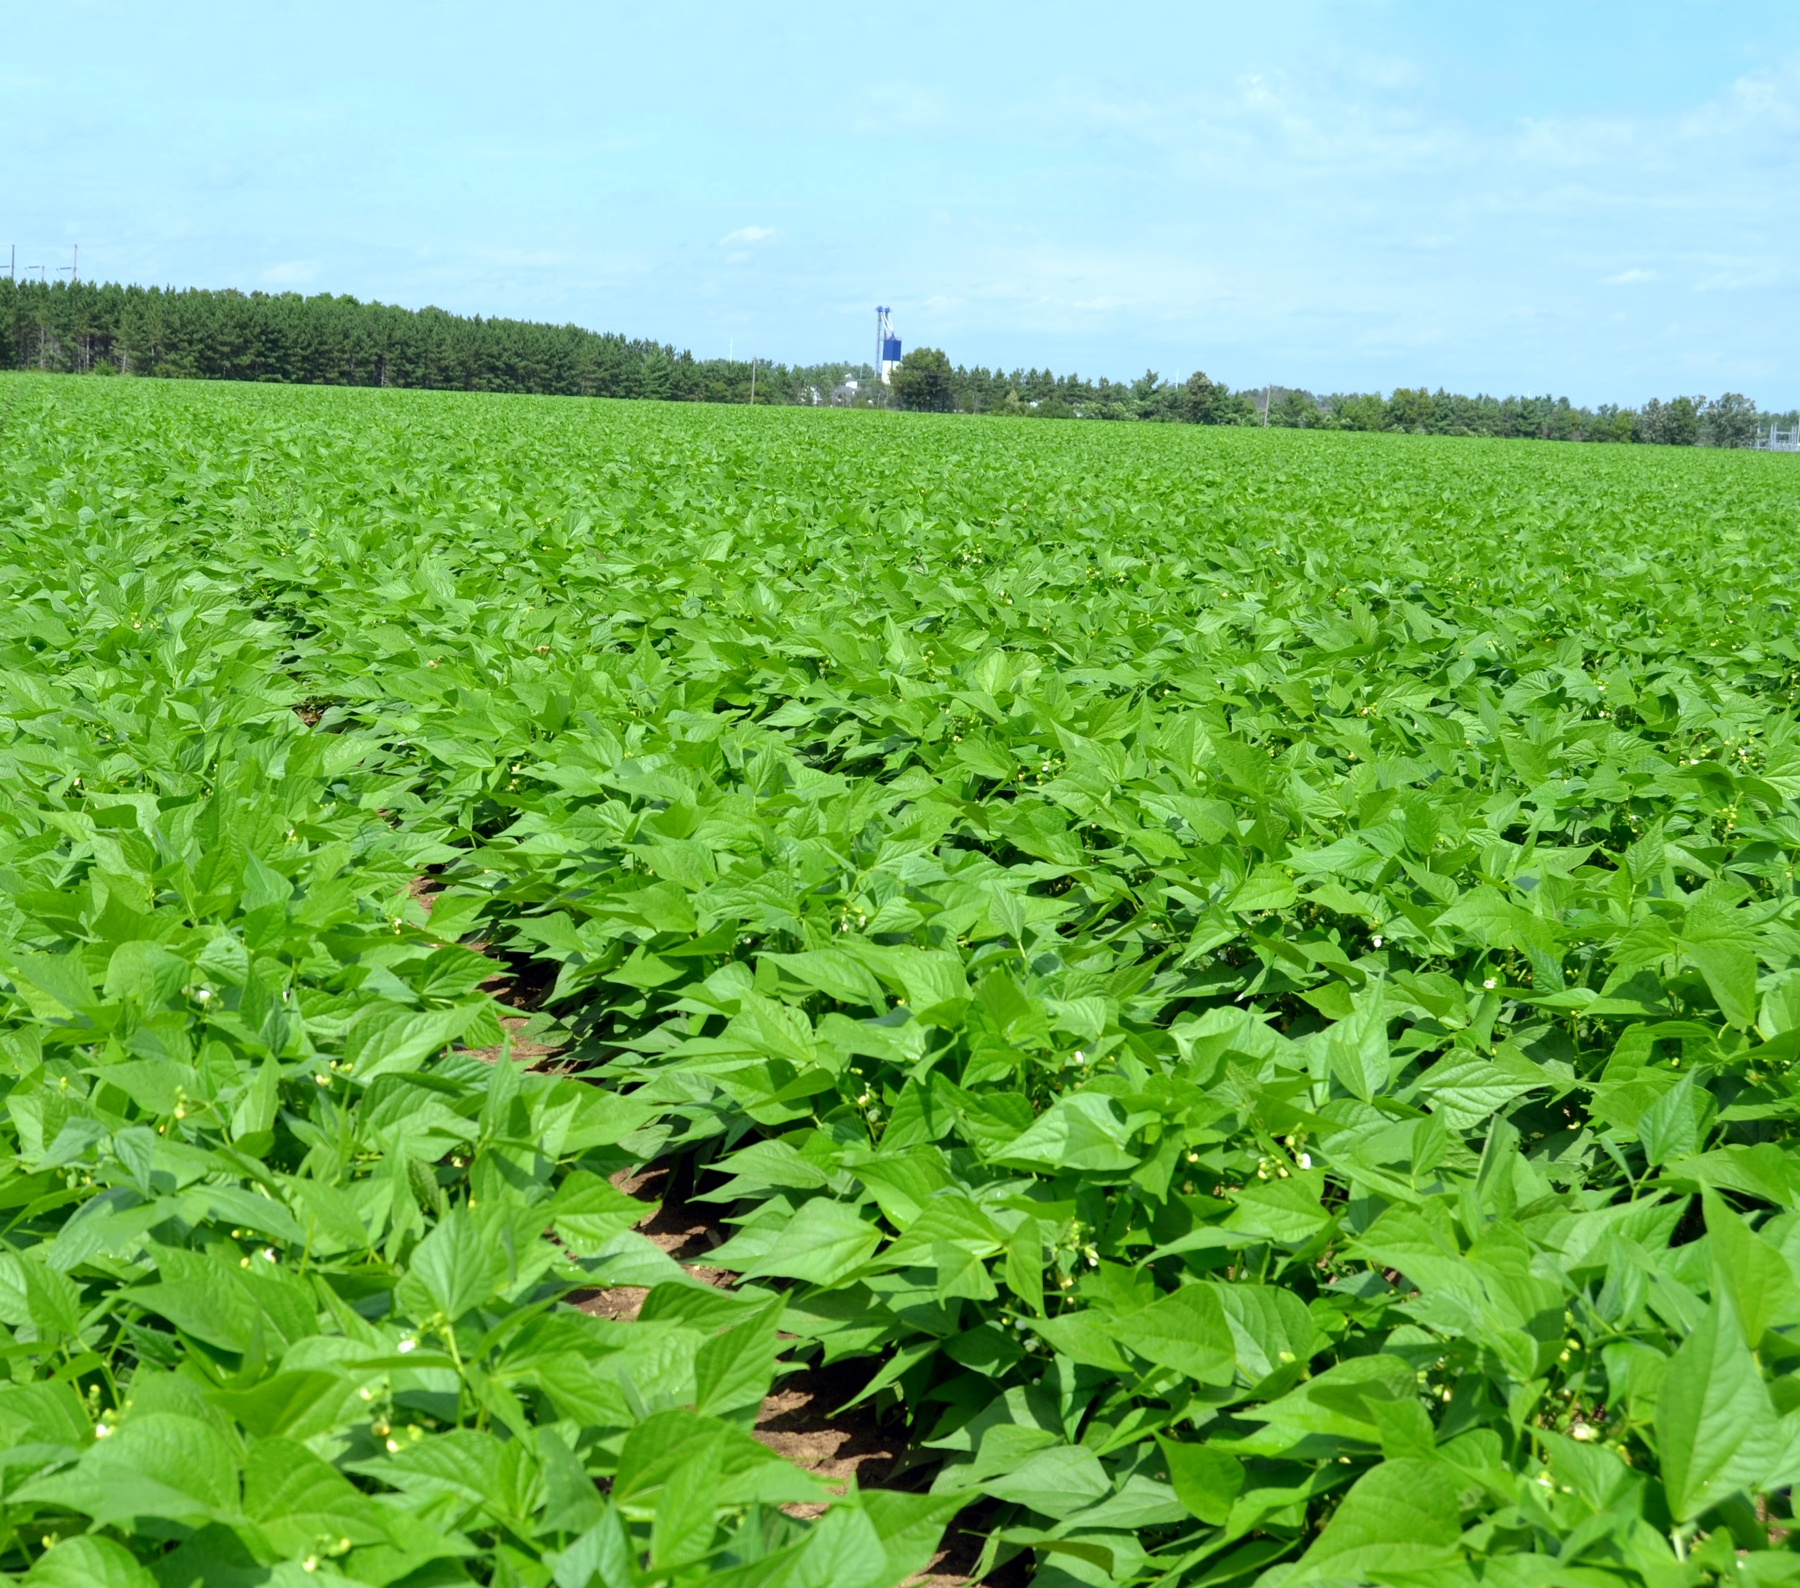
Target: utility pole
(753, 382)
(1268, 392)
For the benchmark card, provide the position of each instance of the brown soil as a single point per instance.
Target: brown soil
(683, 1231)
(796, 1420)
(517, 1044)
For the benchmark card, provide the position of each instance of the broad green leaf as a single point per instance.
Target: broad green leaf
(87, 1561)
(298, 1500)
(154, 1465)
(1266, 888)
(1025, 1265)
(394, 1041)
(1287, 1210)
(1752, 1272)
(685, 1505)
(1052, 1481)
(1724, 949)
(463, 1463)
(254, 1111)
(1715, 1427)
(1675, 1125)
(910, 1527)
(1085, 1131)
(1186, 1330)
(43, 1413)
(454, 1269)
(1401, 1516)
(1206, 1481)
(836, 974)
(587, 1212)
(602, 1554)
(822, 1243)
(1087, 1337)
(733, 1369)
(284, 1402)
(843, 1548)
(1357, 1048)
(1271, 1330)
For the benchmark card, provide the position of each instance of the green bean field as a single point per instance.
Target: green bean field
(1225, 1001)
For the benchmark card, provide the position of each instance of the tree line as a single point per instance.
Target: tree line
(926, 379)
(325, 339)
(196, 334)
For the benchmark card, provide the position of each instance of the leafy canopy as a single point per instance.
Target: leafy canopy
(1247, 984)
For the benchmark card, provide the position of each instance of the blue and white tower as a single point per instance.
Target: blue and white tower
(887, 345)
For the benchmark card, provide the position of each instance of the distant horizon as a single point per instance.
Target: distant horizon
(851, 363)
(1361, 193)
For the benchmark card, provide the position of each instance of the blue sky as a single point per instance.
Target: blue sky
(1592, 198)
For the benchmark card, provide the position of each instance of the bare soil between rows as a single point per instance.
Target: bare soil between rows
(799, 1418)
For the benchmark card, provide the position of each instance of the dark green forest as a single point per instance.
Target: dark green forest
(197, 334)
(338, 341)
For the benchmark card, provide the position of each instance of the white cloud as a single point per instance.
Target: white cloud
(1349, 224)
(1762, 105)
(1739, 278)
(746, 235)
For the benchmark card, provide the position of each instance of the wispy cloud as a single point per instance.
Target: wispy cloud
(1739, 278)
(1345, 222)
(747, 235)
